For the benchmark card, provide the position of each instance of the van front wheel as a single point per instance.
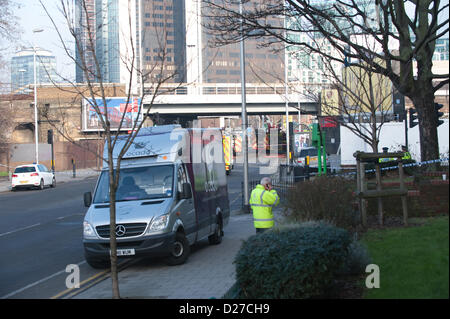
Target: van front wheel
(180, 250)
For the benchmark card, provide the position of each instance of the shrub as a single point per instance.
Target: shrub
(291, 262)
(357, 260)
(324, 198)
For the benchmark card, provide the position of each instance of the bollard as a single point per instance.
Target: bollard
(73, 168)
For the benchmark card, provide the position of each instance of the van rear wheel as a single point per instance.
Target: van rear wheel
(180, 250)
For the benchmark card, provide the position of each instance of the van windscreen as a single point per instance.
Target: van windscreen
(138, 183)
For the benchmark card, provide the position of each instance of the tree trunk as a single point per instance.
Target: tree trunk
(112, 228)
(379, 199)
(429, 145)
(377, 177)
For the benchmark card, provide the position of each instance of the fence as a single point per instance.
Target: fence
(289, 175)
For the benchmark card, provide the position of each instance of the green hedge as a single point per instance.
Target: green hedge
(327, 198)
(294, 262)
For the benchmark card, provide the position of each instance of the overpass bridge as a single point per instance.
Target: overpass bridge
(225, 100)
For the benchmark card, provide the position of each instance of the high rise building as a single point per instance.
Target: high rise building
(108, 29)
(86, 35)
(22, 68)
(263, 64)
(163, 40)
(166, 40)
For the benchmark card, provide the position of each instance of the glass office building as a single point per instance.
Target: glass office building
(22, 69)
(169, 42)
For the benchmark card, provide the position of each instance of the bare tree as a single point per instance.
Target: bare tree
(6, 129)
(9, 31)
(363, 103)
(404, 33)
(88, 59)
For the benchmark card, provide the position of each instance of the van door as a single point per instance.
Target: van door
(186, 206)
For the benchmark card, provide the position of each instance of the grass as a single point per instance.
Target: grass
(413, 261)
(3, 174)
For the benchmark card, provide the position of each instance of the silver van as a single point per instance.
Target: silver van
(172, 192)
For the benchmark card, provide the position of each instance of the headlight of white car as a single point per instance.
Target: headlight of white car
(158, 223)
(88, 230)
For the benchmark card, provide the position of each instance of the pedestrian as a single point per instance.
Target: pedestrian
(407, 155)
(262, 199)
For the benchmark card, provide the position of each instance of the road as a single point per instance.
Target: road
(40, 234)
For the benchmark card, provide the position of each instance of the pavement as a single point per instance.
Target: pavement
(208, 273)
(61, 177)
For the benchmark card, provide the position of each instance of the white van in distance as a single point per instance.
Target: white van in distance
(172, 192)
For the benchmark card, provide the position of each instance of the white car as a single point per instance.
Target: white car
(32, 175)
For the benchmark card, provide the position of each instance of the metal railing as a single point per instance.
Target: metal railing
(227, 88)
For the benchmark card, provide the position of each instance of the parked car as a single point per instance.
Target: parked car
(32, 175)
(313, 159)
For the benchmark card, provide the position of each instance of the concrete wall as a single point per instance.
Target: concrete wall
(84, 153)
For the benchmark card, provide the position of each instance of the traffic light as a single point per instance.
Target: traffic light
(437, 107)
(412, 118)
(50, 136)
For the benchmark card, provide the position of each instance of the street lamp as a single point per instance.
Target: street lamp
(244, 106)
(36, 130)
(286, 88)
(244, 114)
(21, 81)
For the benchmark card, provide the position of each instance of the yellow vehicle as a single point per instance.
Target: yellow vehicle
(227, 141)
(308, 157)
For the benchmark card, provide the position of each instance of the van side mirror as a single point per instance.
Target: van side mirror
(87, 199)
(186, 192)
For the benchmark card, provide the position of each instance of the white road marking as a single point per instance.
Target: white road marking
(35, 225)
(37, 282)
(20, 229)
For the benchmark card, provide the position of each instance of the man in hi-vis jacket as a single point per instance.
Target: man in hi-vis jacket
(262, 199)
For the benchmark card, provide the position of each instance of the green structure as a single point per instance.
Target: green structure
(318, 141)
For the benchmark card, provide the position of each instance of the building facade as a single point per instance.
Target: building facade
(165, 41)
(106, 30)
(22, 69)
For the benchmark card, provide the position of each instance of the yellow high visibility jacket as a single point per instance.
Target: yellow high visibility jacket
(407, 156)
(262, 202)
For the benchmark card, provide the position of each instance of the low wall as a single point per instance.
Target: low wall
(84, 153)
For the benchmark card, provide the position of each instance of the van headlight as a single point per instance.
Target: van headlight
(158, 223)
(88, 231)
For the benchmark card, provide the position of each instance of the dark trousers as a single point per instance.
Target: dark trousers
(261, 230)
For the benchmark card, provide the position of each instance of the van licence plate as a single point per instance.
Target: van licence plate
(126, 252)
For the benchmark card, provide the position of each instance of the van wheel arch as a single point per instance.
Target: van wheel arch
(216, 237)
(180, 250)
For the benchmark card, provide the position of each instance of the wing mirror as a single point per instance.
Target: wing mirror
(87, 199)
(186, 192)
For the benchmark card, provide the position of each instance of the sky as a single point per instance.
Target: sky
(31, 16)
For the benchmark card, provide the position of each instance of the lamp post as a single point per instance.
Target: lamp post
(36, 130)
(244, 115)
(288, 158)
(244, 106)
(21, 81)
(286, 88)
